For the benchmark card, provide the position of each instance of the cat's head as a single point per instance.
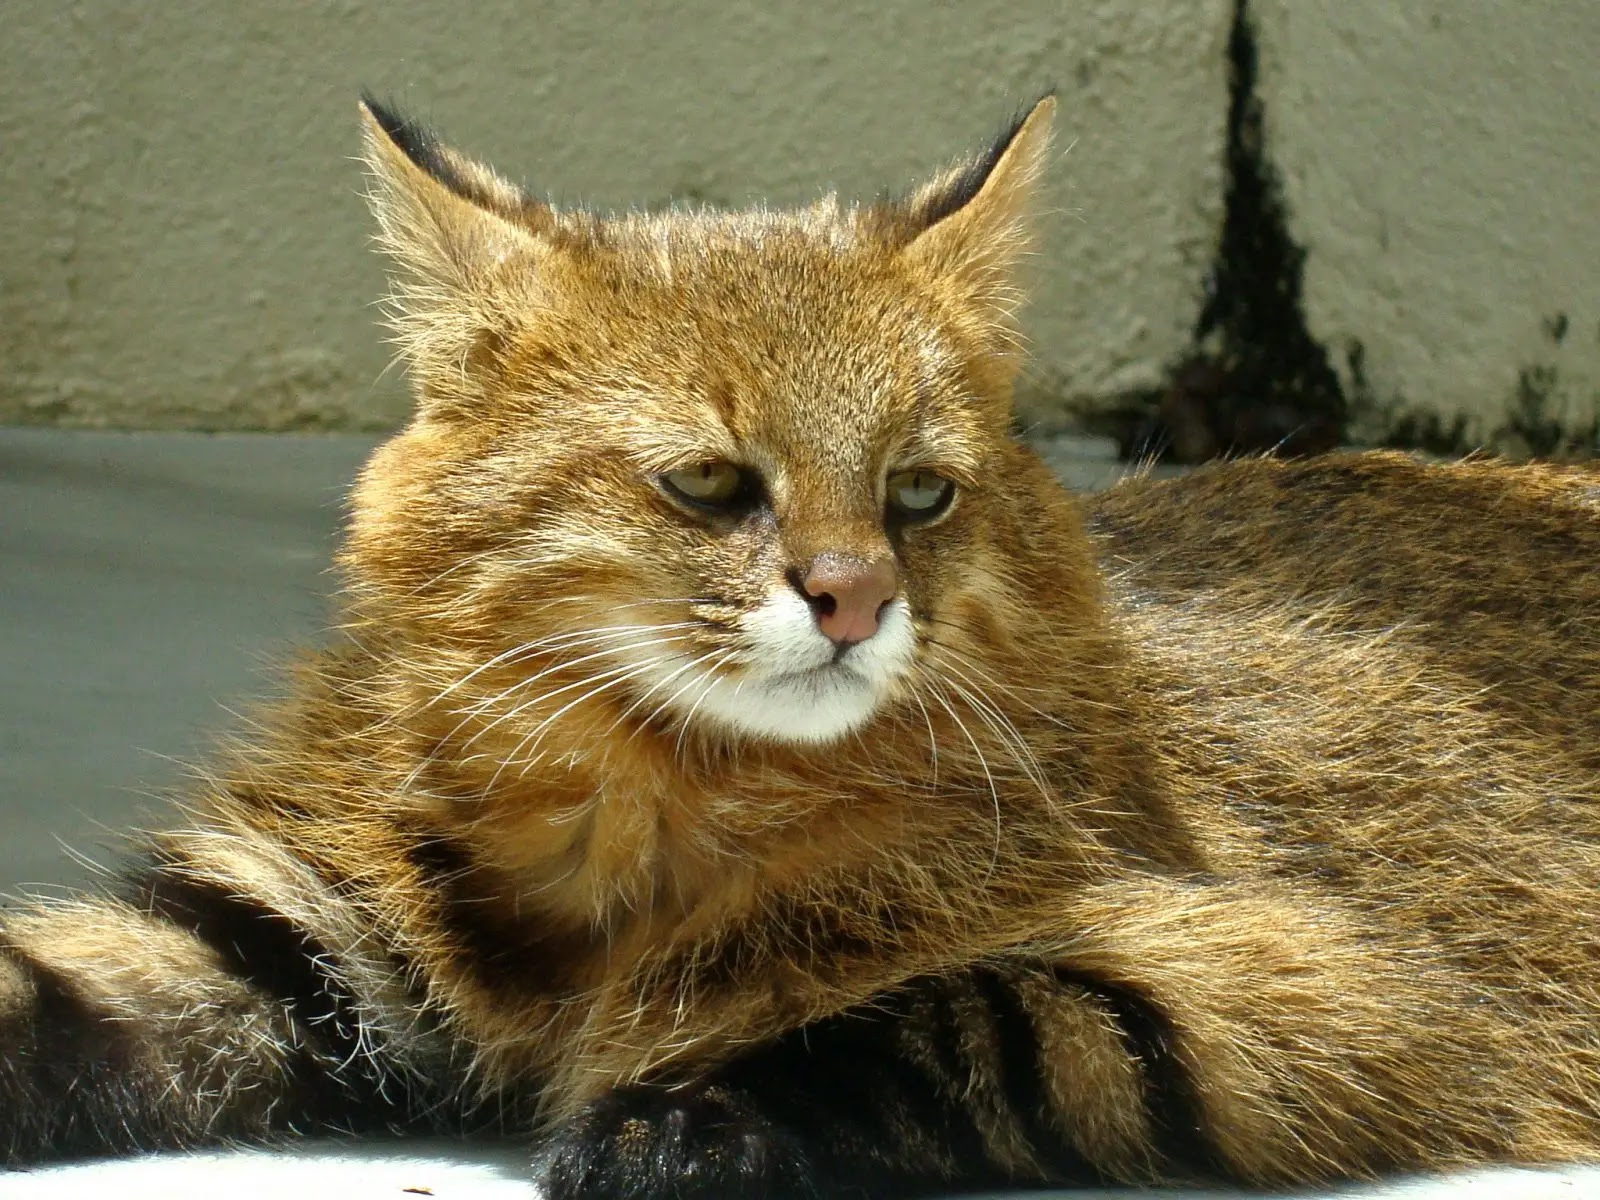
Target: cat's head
(734, 470)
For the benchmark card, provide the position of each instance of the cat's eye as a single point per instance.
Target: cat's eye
(711, 485)
(919, 495)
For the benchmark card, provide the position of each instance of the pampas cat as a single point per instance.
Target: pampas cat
(751, 774)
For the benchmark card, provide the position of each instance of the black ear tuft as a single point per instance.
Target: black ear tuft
(968, 181)
(417, 143)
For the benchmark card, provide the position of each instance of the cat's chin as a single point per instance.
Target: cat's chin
(808, 707)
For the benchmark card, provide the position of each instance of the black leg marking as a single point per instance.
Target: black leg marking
(944, 1036)
(505, 955)
(700, 1142)
(1021, 1074)
(866, 1104)
(263, 947)
(854, 1088)
(1173, 1105)
(75, 1081)
(46, 1103)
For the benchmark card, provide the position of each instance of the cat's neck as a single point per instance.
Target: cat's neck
(651, 822)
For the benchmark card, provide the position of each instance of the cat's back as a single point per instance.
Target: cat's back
(1383, 531)
(1490, 571)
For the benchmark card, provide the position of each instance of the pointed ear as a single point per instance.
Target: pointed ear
(460, 238)
(970, 223)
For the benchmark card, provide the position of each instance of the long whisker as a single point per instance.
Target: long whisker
(945, 664)
(611, 643)
(565, 664)
(1007, 733)
(652, 690)
(933, 741)
(488, 703)
(568, 641)
(950, 648)
(1013, 690)
(619, 675)
(608, 642)
(660, 708)
(994, 792)
(709, 678)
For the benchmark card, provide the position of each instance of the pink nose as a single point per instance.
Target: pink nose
(847, 595)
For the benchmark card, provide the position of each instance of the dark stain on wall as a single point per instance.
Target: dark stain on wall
(1254, 379)
(1532, 427)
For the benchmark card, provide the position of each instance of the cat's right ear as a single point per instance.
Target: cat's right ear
(462, 241)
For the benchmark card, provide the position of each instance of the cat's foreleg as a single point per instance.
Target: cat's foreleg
(1193, 1031)
(972, 1080)
(129, 1027)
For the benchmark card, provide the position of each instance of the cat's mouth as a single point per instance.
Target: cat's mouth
(838, 667)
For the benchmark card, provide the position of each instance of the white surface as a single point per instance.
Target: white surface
(371, 1171)
(499, 1171)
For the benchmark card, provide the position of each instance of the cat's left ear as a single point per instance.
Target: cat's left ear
(971, 223)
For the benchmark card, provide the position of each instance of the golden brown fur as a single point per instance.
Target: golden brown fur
(1243, 824)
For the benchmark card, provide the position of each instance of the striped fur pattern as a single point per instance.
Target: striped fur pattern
(1242, 826)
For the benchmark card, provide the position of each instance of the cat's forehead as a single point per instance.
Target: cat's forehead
(776, 336)
(795, 274)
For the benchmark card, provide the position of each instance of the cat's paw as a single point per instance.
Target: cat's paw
(703, 1142)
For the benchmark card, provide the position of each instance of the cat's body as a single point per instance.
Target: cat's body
(811, 821)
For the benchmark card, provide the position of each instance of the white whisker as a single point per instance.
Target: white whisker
(710, 679)
(1002, 726)
(561, 665)
(667, 703)
(933, 740)
(621, 675)
(994, 792)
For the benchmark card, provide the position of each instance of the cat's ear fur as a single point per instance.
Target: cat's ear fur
(462, 241)
(969, 224)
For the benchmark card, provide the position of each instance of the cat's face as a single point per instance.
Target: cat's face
(723, 472)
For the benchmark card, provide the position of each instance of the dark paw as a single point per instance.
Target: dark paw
(702, 1142)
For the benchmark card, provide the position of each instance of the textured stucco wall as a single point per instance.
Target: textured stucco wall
(1440, 165)
(181, 242)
